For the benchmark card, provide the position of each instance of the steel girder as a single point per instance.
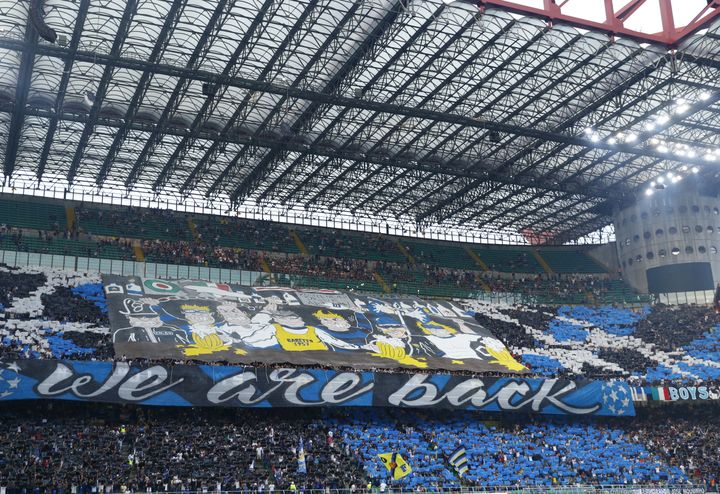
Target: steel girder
(215, 150)
(120, 37)
(232, 68)
(388, 136)
(625, 164)
(60, 97)
(353, 68)
(512, 86)
(528, 151)
(293, 38)
(336, 100)
(419, 137)
(161, 44)
(509, 162)
(279, 58)
(426, 111)
(340, 81)
(385, 36)
(671, 33)
(220, 14)
(21, 93)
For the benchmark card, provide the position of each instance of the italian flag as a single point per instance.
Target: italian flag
(660, 394)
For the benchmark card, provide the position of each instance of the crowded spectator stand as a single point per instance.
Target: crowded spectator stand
(54, 314)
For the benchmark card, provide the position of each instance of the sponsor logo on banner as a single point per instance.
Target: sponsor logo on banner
(161, 286)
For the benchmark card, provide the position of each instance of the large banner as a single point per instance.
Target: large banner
(204, 385)
(231, 323)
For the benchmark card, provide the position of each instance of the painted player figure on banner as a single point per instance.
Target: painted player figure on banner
(146, 325)
(391, 339)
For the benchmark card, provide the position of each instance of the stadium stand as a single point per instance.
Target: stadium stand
(333, 259)
(88, 448)
(493, 205)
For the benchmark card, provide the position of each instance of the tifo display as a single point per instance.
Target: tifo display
(209, 321)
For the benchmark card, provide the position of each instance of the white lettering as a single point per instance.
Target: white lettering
(344, 382)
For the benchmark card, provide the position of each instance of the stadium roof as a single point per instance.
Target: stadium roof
(497, 115)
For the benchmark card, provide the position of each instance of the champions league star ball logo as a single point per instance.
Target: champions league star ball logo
(615, 398)
(9, 380)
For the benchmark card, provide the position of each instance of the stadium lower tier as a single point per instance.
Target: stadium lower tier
(69, 448)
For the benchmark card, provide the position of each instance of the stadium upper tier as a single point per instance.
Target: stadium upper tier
(51, 313)
(316, 257)
(159, 449)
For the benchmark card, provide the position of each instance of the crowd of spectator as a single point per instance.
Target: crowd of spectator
(235, 243)
(87, 448)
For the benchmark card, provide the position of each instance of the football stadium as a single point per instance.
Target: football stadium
(360, 246)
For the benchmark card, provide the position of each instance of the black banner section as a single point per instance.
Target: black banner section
(230, 386)
(230, 323)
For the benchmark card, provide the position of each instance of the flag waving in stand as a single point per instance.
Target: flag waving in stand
(396, 464)
(302, 467)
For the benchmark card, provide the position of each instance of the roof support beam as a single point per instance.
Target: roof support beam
(220, 14)
(352, 68)
(508, 90)
(330, 99)
(644, 136)
(528, 150)
(459, 70)
(27, 62)
(246, 106)
(232, 68)
(251, 179)
(567, 179)
(670, 34)
(120, 37)
(399, 91)
(161, 44)
(259, 142)
(64, 80)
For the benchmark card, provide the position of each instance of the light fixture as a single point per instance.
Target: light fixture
(662, 148)
(684, 168)
(662, 119)
(588, 130)
(631, 137)
(691, 153)
(704, 96)
(648, 192)
(670, 175)
(595, 138)
(649, 126)
(660, 180)
(612, 141)
(695, 169)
